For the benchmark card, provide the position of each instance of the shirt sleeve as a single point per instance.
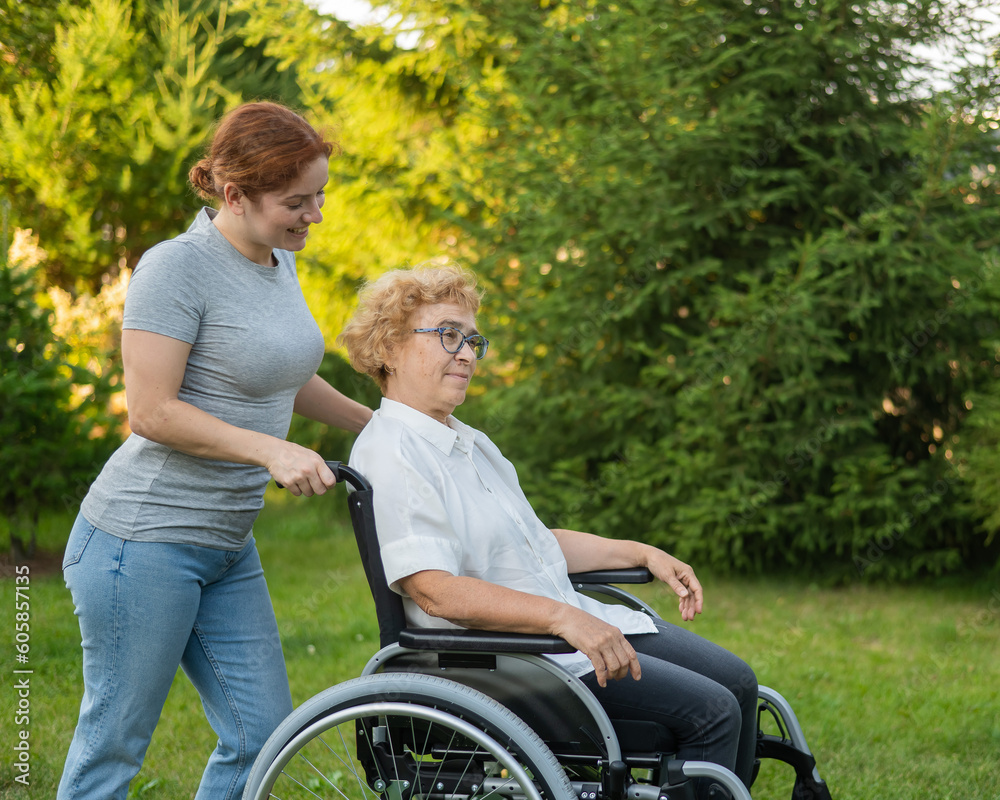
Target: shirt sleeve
(163, 295)
(415, 531)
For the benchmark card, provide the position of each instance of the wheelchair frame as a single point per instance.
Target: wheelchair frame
(463, 714)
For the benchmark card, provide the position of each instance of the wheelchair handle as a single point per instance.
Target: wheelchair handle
(343, 473)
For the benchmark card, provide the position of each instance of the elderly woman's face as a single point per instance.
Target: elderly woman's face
(425, 375)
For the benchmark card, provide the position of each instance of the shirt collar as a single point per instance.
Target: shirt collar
(444, 437)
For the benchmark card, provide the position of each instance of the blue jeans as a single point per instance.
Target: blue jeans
(146, 608)
(703, 695)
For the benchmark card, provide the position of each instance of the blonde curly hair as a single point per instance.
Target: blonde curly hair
(386, 307)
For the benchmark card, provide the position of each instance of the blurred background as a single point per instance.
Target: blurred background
(741, 258)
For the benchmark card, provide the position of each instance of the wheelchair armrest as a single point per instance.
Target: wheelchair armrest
(465, 640)
(446, 639)
(631, 575)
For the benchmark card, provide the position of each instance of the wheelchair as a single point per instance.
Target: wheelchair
(477, 715)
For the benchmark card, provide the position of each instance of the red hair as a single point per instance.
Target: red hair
(259, 147)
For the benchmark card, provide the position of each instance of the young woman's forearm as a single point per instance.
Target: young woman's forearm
(154, 370)
(184, 427)
(319, 401)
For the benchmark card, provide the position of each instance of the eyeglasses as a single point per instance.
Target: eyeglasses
(453, 340)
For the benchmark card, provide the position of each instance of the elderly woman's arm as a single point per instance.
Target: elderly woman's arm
(474, 603)
(585, 552)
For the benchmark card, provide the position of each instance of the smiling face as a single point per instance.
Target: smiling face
(276, 220)
(425, 376)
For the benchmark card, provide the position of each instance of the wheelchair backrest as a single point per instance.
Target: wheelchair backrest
(388, 604)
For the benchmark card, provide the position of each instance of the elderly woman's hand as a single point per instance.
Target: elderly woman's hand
(605, 645)
(679, 577)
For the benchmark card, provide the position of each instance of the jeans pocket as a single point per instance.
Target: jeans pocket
(78, 539)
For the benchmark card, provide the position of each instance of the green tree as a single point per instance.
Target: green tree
(753, 270)
(742, 261)
(55, 427)
(104, 116)
(389, 181)
(27, 37)
(979, 458)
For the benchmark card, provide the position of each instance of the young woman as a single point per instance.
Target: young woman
(461, 544)
(219, 349)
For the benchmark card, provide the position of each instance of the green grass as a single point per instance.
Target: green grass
(896, 687)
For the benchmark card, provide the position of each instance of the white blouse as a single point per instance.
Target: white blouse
(446, 499)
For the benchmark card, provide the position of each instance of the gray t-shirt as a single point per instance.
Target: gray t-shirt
(254, 344)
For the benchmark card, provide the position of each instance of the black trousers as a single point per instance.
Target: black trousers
(703, 695)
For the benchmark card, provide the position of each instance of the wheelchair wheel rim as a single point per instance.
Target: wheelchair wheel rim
(517, 775)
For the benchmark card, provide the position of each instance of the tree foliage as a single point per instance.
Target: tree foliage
(741, 258)
(753, 278)
(743, 264)
(54, 417)
(106, 106)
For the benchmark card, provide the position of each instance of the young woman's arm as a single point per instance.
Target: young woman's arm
(154, 368)
(319, 401)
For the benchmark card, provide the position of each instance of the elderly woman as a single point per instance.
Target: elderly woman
(462, 546)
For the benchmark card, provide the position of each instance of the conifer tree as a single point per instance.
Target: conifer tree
(742, 262)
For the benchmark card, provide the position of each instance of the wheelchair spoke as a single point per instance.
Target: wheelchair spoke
(436, 780)
(292, 777)
(322, 774)
(420, 749)
(352, 768)
(465, 771)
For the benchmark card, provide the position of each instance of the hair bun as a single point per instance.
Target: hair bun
(202, 180)
(260, 148)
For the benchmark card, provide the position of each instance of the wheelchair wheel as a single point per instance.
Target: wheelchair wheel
(405, 737)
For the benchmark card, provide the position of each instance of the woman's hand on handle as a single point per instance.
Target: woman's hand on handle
(300, 470)
(154, 370)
